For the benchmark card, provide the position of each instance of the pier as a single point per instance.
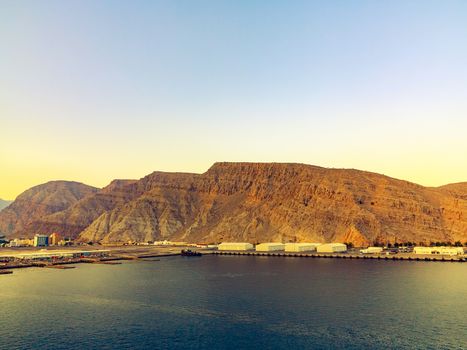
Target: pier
(403, 256)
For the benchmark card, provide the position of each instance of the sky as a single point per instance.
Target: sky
(92, 90)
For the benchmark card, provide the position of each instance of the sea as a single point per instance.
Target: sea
(237, 302)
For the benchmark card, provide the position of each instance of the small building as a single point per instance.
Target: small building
(235, 246)
(439, 250)
(55, 238)
(169, 243)
(372, 250)
(41, 241)
(21, 242)
(301, 247)
(13, 243)
(332, 248)
(269, 247)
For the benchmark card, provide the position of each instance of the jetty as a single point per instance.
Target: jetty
(400, 257)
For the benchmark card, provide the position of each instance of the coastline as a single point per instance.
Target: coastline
(116, 254)
(399, 256)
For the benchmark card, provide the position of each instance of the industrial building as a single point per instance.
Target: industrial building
(55, 238)
(235, 246)
(301, 247)
(41, 241)
(372, 250)
(439, 250)
(269, 247)
(21, 242)
(331, 248)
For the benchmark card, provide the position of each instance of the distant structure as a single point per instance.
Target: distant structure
(51, 254)
(21, 242)
(235, 246)
(55, 238)
(439, 250)
(331, 248)
(41, 240)
(372, 250)
(166, 242)
(301, 247)
(269, 247)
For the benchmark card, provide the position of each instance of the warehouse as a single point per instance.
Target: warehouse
(372, 250)
(439, 250)
(301, 247)
(331, 248)
(269, 247)
(235, 246)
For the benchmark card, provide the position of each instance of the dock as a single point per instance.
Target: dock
(405, 257)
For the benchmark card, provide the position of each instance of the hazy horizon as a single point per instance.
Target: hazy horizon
(93, 91)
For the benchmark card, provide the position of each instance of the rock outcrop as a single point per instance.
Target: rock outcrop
(38, 202)
(258, 202)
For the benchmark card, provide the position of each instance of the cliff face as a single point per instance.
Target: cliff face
(38, 202)
(260, 202)
(285, 202)
(76, 217)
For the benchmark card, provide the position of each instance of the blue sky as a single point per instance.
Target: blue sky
(96, 90)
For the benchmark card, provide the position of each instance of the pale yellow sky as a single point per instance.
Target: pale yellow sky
(89, 93)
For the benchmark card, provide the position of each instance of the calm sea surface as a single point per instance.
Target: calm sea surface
(228, 302)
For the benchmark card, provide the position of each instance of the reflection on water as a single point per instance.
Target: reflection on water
(228, 302)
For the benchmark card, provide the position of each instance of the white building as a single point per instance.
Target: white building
(269, 247)
(331, 248)
(439, 250)
(301, 247)
(41, 241)
(166, 242)
(235, 246)
(372, 250)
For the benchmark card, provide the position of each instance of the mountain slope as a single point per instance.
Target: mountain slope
(284, 202)
(249, 202)
(76, 217)
(39, 201)
(4, 204)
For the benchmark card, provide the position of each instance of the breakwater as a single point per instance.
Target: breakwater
(59, 263)
(405, 257)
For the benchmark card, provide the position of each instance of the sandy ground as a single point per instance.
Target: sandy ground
(114, 250)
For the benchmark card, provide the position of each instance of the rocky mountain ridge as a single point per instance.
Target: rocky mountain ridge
(4, 204)
(38, 202)
(259, 202)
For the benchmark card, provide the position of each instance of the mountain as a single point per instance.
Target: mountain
(76, 217)
(38, 202)
(260, 202)
(4, 204)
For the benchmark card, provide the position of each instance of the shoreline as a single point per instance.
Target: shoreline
(131, 253)
(115, 255)
(399, 256)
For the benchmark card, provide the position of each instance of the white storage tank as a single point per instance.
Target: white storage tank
(372, 250)
(269, 247)
(332, 248)
(235, 246)
(451, 250)
(439, 250)
(422, 250)
(301, 247)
